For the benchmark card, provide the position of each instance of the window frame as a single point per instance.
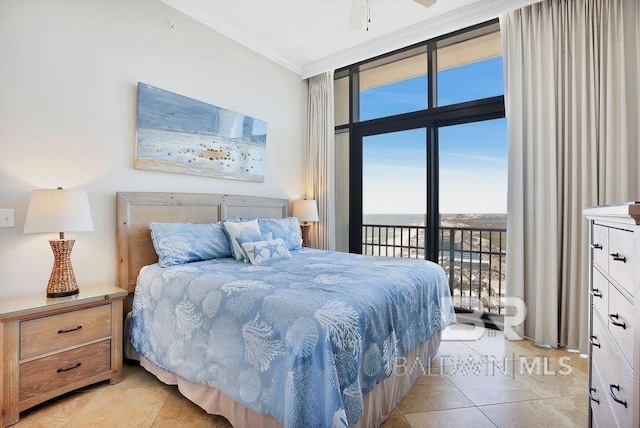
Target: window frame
(430, 118)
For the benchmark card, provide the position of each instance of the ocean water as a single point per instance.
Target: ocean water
(496, 221)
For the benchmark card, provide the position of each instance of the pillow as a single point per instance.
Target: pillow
(177, 243)
(260, 252)
(236, 229)
(287, 229)
(253, 238)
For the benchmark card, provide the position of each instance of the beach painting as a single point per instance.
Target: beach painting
(180, 134)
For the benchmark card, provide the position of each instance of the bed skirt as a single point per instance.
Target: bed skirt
(378, 404)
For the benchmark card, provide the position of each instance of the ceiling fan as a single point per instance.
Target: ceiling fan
(360, 12)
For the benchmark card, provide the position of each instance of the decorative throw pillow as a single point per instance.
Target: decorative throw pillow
(287, 229)
(178, 243)
(242, 239)
(263, 251)
(237, 229)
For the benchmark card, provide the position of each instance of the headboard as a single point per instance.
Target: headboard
(135, 210)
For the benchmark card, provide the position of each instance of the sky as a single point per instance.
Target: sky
(473, 157)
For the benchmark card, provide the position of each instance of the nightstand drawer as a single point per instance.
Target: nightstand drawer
(48, 334)
(47, 374)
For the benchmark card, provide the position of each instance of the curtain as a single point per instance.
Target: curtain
(571, 94)
(320, 159)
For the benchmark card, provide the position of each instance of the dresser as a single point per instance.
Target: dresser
(614, 330)
(51, 346)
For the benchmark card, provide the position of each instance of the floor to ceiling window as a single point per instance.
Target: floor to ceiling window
(421, 168)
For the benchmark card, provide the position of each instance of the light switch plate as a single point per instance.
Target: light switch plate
(7, 217)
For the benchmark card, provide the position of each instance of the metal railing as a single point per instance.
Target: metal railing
(473, 258)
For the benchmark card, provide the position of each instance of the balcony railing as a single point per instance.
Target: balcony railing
(473, 258)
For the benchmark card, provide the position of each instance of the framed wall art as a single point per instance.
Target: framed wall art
(179, 134)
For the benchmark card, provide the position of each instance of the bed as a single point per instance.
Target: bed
(317, 339)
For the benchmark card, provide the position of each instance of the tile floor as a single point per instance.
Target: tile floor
(478, 379)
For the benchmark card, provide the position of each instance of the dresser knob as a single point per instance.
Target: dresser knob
(596, 246)
(593, 341)
(613, 395)
(613, 319)
(596, 293)
(69, 368)
(617, 257)
(70, 330)
(591, 397)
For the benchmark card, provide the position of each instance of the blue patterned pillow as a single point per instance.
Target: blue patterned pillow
(287, 229)
(263, 251)
(178, 243)
(235, 229)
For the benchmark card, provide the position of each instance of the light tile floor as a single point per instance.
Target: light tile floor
(478, 379)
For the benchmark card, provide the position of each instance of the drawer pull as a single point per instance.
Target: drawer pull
(596, 293)
(69, 368)
(596, 246)
(593, 340)
(613, 395)
(70, 330)
(591, 397)
(613, 319)
(617, 257)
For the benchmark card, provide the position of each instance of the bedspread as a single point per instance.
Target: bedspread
(302, 339)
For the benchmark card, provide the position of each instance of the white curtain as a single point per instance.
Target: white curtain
(571, 71)
(320, 159)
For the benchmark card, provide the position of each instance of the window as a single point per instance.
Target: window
(427, 159)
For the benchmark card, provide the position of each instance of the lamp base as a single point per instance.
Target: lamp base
(62, 281)
(304, 229)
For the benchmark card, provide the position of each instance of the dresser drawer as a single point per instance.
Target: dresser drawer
(48, 334)
(38, 377)
(600, 292)
(622, 258)
(601, 413)
(600, 246)
(616, 379)
(620, 322)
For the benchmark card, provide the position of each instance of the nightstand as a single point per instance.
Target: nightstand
(51, 346)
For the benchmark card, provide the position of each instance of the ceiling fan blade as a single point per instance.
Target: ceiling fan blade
(358, 14)
(425, 3)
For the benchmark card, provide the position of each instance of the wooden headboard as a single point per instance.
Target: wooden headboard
(135, 210)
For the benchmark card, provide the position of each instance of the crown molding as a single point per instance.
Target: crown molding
(473, 14)
(478, 12)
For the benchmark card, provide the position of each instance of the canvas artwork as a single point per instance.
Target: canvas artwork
(179, 134)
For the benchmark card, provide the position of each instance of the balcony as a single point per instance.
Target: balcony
(473, 258)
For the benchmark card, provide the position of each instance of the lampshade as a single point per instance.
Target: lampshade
(58, 210)
(305, 210)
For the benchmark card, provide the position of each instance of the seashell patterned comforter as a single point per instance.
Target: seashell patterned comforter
(302, 339)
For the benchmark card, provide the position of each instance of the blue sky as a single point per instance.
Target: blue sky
(473, 157)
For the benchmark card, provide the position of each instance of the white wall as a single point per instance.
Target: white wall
(68, 76)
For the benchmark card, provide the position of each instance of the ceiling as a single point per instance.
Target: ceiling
(312, 36)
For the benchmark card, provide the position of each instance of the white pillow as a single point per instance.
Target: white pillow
(246, 229)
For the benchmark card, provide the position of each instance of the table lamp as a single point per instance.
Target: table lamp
(58, 210)
(305, 211)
